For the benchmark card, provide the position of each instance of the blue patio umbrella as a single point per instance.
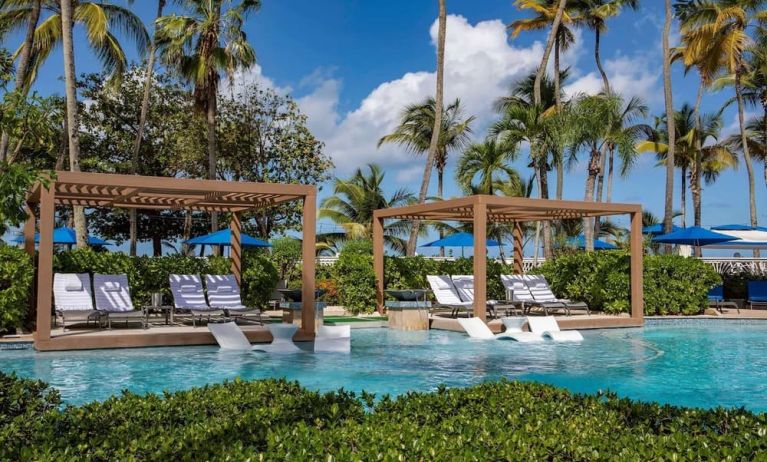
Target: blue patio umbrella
(580, 242)
(461, 240)
(224, 237)
(738, 228)
(695, 236)
(65, 236)
(657, 229)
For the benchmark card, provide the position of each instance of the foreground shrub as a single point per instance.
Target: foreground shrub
(279, 420)
(355, 277)
(672, 284)
(16, 276)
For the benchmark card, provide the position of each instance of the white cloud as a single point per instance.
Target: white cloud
(635, 75)
(409, 174)
(246, 77)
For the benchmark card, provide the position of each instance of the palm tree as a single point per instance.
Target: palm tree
(352, 205)
(434, 142)
(594, 14)
(484, 161)
(757, 142)
(142, 123)
(415, 129)
(546, 15)
(669, 103)
(202, 45)
(716, 40)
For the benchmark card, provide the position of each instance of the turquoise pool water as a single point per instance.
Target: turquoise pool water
(696, 363)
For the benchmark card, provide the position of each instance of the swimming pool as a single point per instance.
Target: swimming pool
(688, 362)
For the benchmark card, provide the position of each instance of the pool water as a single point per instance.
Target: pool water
(702, 363)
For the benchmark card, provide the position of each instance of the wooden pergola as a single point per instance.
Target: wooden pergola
(143, 192)
(481, 209)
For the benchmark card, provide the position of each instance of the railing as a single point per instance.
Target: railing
(737, 265)
(528, 264)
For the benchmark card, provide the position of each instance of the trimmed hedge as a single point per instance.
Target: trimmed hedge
(279, 420)
(672, 284)
(16, 276)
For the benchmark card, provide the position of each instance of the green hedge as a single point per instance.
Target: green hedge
(16, 276)
(672, 284)
(150, 274)
(279, 420)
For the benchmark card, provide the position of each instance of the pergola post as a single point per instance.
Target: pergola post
(518, 237)
(309, 250)
(637, 250)
(45, 264)
(378, 261)
(29, 231)
(235, 226)
(480, 258)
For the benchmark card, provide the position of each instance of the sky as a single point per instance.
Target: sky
(353, 65)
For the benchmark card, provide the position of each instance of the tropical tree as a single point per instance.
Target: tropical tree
(716, 40)
(671, 130)
(148, 75)
(438, 103)
(489, 163)
(202, 45)
(353, 202)
(757, 142)
(414, 132)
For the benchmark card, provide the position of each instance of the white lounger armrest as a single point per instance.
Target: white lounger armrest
(522, 337)
(564, 336)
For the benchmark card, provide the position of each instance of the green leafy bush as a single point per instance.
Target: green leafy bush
(355, 277)
(259, 278)
(279, 420)
(672, 284)
(16, 276)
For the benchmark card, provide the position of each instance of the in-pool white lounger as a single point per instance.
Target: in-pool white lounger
(514, 330)
(476, 328)
(333, 339)
(547, 327)
(230, 337)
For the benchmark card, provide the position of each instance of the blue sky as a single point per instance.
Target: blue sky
(353, 64)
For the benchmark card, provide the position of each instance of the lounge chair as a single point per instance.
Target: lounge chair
(514, 330)
(188, 295)
(447, 295)
(229, 336)
(477, 329)
(541, 291)
(73, 298)
(113, 300)
(757, 293)
(464, 285)
(519, 293)
(224, 293)
(547, 327)
(333, 339)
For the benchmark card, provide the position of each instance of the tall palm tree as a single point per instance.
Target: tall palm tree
(716, 40)
(594, 15)
(415, 129)
(202, 45)
(489, 163)
(669, 103)
(142, 123)
(438, 103)
(757, 142)
(352, 205)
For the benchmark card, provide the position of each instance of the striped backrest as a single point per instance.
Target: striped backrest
(464, 285)
(516, 285)
(187, 292)
(112, 292)
(444, 290)
(223, 291)
(72, 292)
(539, 288)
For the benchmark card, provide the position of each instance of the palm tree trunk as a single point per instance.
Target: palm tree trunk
(610, 173)
(547, 51)
(72, 124)
(588, 229)
(133, 232)
(668, 212)
(23, 66)
(544, 190)
(746, 150)
(600, 185)
(598, 59)
(697, 168)
(434, 143)
(683, 195)
(558, 100)
(440, 183)
(212, 154)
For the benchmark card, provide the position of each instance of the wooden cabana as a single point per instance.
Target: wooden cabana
(142, 192)
(481, 209)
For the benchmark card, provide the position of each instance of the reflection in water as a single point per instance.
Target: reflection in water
(701, 364)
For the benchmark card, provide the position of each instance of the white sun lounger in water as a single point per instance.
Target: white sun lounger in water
(514, 330)
(230, 337)
(333, 339)
(547, 326)
(476, 328)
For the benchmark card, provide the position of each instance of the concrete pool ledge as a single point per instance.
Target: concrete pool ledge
(565, 323)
